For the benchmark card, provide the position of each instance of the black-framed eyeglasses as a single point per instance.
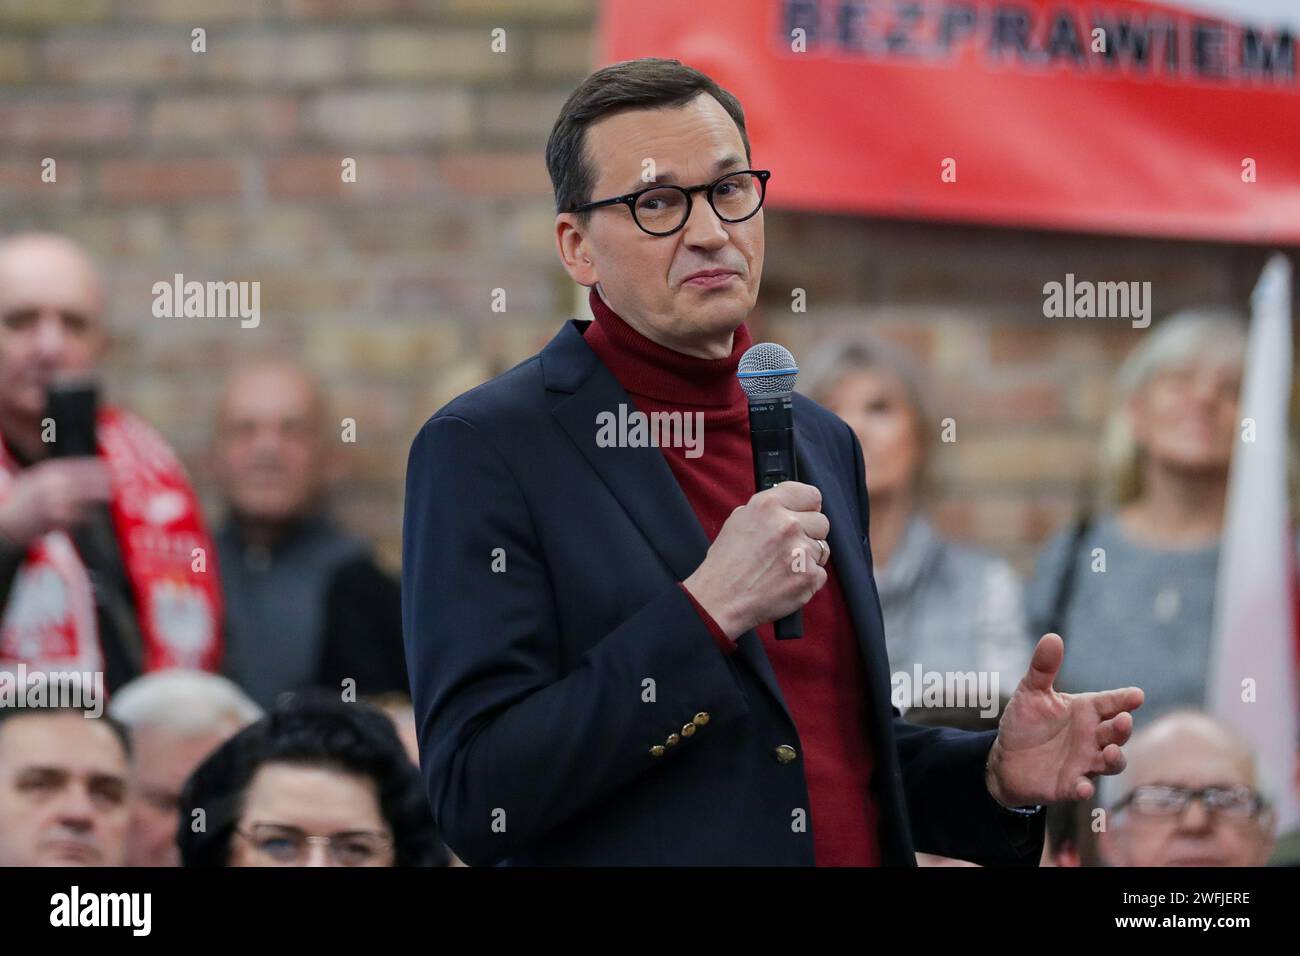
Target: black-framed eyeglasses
(1162, 800)
(661, 210)
(290, 845)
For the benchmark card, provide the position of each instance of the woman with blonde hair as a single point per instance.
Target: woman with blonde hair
(946, 606)
(1132, 589)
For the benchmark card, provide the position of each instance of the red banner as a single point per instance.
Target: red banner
(1094, 115)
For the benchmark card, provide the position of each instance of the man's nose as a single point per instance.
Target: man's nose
(1196, 816)
(266, 441)
(50, 336)
(703, 227)
(76, 810)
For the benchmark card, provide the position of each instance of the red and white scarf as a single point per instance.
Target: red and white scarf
(49, 622)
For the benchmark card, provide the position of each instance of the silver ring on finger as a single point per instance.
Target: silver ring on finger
(823, 553)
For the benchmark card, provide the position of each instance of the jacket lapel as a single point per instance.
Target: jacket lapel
(638, 477)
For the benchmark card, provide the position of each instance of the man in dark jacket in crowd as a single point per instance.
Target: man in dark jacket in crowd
(594, 669)
(308, 605)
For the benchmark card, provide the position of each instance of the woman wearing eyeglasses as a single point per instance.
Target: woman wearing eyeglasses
(317, 782)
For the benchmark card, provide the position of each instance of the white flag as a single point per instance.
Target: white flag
(1253, 662)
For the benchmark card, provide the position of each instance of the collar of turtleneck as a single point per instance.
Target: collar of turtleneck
(648, 369)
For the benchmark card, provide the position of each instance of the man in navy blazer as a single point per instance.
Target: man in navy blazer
(564, 607)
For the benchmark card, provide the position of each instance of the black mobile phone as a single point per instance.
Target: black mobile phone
(71, 407)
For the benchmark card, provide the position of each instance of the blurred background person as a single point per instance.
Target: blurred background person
(947, 606)
(64, 788)
(1148, 617)
(308, 606)
(175, 719)
(1070, 839)
(399, 710)
(316, 782)
(96, 554)
(1189, 797)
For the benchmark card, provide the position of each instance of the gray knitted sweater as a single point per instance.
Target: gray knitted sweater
(1145, 620)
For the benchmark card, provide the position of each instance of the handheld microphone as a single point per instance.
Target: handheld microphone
(767, 374)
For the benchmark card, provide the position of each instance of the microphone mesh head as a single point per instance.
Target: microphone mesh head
(767, 370)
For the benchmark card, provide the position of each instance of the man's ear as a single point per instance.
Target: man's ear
(572, 243)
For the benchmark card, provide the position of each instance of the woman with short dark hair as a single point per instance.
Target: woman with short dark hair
(316, 782)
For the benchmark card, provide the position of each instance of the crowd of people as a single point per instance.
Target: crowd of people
(256, 682)
(107, 568)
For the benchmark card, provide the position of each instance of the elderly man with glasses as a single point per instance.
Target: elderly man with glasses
(1189, 797)
(588, 625)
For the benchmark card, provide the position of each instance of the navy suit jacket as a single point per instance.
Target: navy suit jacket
(550, 648)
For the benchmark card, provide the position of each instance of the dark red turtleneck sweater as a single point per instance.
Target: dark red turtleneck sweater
(821, 676)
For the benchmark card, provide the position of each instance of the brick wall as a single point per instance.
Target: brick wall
(225, 165)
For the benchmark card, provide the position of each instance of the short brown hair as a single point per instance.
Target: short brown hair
(632, 84)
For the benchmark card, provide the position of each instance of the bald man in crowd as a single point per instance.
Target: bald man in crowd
(101, 556)
(308, 605)
(1190, 796)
